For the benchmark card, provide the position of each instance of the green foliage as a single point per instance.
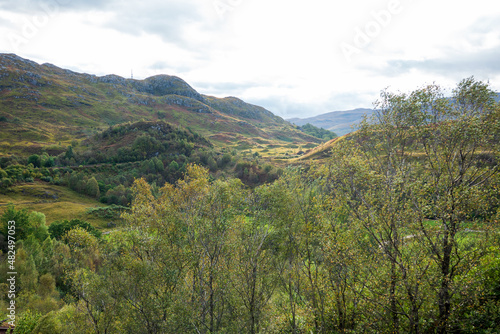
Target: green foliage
(23, 226)
(320, 133)
(224, 160)
(49, 324)
(28, 273)
(17, 173)
(49, 162)
(479, 309)
(3, 174)
(58, 229)
(46, 285)
(141, 141)
(111, 211)
(27, 322)
(397, 233)
(93, 188)
(38, 228)
(35, 160)
(69, 153)
(174, 166)
(119, 195)
(417, 160)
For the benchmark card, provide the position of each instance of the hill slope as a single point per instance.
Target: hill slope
(42, 105)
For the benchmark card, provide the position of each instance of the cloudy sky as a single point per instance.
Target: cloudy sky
(295, 58)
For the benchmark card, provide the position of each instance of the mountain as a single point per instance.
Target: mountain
(339, 122)
(43, 105)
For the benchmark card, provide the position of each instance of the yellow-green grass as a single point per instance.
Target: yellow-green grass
(56, 202)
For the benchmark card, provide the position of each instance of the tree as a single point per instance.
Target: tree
(27, 322)
(414, 178)
(173, 166)
(28, 275)
(190, 223)
(206, 211)
(49, 162)
(69, 153)
(21, 219)
(159, 167)
(84, 248)
(252, 265)
(93, 188)
(58, 229)
(35, 160)
(94, 301)
(47, 285)
(284, 212)
(38, 227)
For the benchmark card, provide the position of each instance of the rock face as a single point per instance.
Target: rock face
(113, 79)
(161, 85)
(189, 103)
(25, 75)
(234, 106)
(12, 60)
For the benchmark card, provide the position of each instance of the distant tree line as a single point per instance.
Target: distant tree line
(320, 133)
(105, 166)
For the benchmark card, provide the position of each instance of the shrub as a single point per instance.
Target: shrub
(59, 228)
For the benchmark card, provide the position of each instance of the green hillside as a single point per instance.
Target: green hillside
(93, 136)
(56, 202)
(393, 229)
(43, 105)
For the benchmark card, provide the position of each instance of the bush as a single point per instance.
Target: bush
(112, 211)
(21, 217)
(47, 179)
(27, 322)
(59, 228)
(35, 160)
(5, 183)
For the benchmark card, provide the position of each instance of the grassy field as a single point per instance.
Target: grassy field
(56, 202)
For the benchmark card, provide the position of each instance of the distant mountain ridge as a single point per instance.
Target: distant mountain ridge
(47, 104)
(340, 122)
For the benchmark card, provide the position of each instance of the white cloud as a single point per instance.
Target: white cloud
(286, 55)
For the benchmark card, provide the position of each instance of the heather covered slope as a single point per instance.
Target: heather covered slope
(42, 105)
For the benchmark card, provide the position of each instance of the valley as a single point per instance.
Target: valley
(144, 206)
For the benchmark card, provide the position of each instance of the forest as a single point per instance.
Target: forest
(397, 232)
(105, 165)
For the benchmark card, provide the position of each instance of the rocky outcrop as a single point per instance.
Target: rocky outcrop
(113, 79)
(48, 94)
(186, 102)
(161, 85)
(234, 106)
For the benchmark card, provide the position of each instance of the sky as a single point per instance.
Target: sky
(295, 58)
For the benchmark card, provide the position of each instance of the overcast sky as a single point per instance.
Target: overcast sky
(295, 58)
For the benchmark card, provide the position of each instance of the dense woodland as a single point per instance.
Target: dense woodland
(105, 165)
(317, 132)
(396, 233)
